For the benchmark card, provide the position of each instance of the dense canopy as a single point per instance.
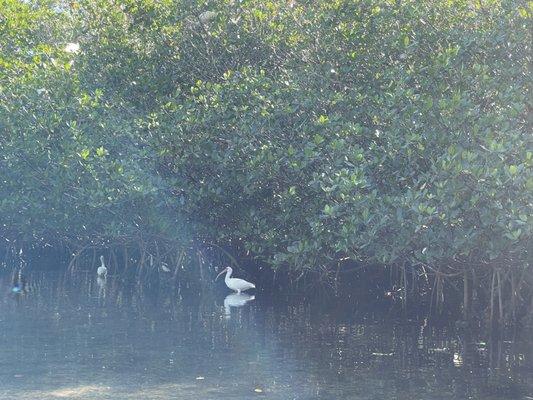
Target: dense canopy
(303, 133)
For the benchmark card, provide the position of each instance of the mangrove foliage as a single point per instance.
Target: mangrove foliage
(308, 135)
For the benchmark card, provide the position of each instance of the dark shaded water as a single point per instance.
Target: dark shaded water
(74, 337)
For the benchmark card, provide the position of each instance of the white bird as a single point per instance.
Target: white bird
(235, 283)
(102, 270)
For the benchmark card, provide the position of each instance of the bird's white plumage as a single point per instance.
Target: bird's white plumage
(239, 284)
(102, 270)
(235, 284)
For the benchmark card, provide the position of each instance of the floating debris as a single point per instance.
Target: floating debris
(457, 359)
(439, 349)
(383, 354)
(200, 378)
(258, 390)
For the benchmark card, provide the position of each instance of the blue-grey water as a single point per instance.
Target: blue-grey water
(71, 336)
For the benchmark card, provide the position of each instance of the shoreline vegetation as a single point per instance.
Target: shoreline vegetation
(327, 141)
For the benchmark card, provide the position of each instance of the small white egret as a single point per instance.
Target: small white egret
(102, 270)
(236, 284)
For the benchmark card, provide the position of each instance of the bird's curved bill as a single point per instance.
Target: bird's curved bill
(221, 272)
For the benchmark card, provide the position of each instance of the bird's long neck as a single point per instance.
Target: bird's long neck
(102, 264)
(228, 275)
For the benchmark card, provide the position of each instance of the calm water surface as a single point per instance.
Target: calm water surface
(74, 337)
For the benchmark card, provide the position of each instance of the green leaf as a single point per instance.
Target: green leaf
(100, 151)
(318, 139)
(322, 120)
(84, 154)
(514, 235)
(328, 210)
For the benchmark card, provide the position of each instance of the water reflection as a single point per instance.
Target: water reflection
(101, 282)
(75, 337)
(19, 284)
(235, 300)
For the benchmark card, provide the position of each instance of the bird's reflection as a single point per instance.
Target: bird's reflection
(235, 300)
(19, 284)
(101, 282)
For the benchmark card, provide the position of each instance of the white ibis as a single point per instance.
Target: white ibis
(102, 270)
(236, 284)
